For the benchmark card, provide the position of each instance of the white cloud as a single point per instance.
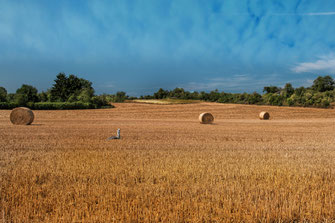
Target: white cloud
(109, 85)
(286, 14)
(303, 14)
(319, 13)
(324, 64)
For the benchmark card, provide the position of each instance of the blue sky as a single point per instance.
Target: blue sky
(139, 46)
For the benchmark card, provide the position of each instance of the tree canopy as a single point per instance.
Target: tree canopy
(288, 90)
(70, 87)
(26, 93)
(271, 89)
(71, 92)
(68, 92)
(322, 84)
(3, 94)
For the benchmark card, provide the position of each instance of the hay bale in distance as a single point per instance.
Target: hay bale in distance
(206, 118)
(21, 116)
(264, 115)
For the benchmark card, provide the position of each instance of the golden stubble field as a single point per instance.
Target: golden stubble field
(167, 167)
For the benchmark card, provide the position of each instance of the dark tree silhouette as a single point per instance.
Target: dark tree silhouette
(322, 84)
(3, 94)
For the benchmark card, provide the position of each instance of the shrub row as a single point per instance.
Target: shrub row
(8, 105)
(53, 105)
(287, 96)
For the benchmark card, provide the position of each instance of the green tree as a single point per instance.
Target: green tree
(290, 102)
(72, 86)
(101, 100)
(273, 99)
(26, 93)
(21, 99)
(325, 103)
(226, 98)
(299, 91)
(194, 95)
(177, 93)
(86, 84)
(58, 91)
(254, 98)
(288, 90)
(43, 96)
(323, 83)
(204, 96)
(72, 98)
(161, 93)
(3, 94)
(271, 89)
(120, 96)
(214, 95)
(86, 95)
(10, 97)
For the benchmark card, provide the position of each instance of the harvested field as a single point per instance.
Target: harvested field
(167, 167)
(166, 101)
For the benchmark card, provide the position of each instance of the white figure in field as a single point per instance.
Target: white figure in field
(118, 136)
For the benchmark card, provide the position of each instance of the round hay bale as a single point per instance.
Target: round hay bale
(264, 115)
(206, 118)
(21, 116)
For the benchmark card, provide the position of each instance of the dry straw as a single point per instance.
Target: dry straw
(206, 118)
(21, 116)
(264, 115)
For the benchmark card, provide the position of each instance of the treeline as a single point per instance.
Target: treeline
(321, 94)
(67, 92)
(71, 92)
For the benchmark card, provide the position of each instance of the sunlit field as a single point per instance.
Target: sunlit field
(166, 101)
(167, 167)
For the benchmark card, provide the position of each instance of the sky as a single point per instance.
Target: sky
(139, 46)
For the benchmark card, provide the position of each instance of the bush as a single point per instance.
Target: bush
(21, 99)
(101, 101)
(64, 106)
(25, 94)
(54, 105)
(120, 96)
(290, 102)
(325, 103)
(8, 105)
(3, 94)
(59, 105)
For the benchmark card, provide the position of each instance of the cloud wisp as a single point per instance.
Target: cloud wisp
(286, 14)
(304, 14)
(324, 64)
(319, 13)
